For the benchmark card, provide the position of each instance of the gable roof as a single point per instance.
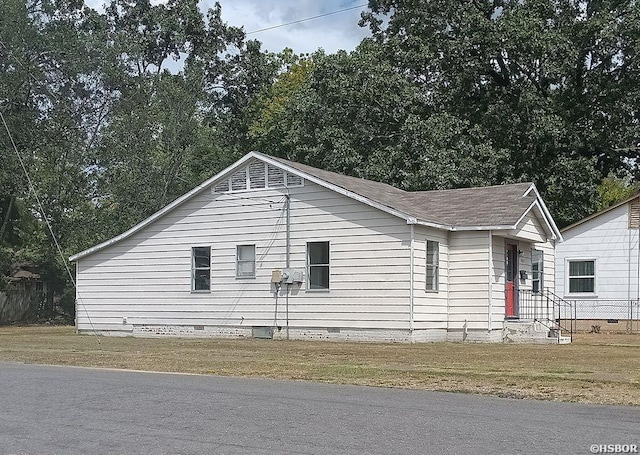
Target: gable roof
(601, 212)
(491, 207)
(500, 207)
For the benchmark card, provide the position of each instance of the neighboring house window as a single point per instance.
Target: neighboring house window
(246, 261)
(582, 277)
(536, 270)
(318, 265)
(433, 261)
(201, 268)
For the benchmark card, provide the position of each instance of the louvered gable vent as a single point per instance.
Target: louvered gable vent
(239, 180)
(634, 214)
(222, 187)
(256, 176)
(293, 180)
(275, 177)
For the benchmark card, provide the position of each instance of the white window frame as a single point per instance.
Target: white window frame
(195, 269)
(310, 266)
(434, 266)
(239, 261)
(567, 268)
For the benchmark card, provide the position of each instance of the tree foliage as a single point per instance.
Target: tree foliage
(117, 112)
(553, 82)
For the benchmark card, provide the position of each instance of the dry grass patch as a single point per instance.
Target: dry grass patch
(596, 368)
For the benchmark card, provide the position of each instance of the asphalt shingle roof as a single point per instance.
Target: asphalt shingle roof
(500, 205)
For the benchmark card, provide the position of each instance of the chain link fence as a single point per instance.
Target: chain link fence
(619, 316)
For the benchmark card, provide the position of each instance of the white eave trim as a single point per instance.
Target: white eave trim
(185, 197)
(556, 235)
(336, 188)
(502, 227)
(241, 162)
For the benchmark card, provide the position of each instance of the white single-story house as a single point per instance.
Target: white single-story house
(597, 267)
(273, 248)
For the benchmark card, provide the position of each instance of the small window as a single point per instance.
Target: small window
(582, 277)
(318, 265)
(536, 271)
(201, 268)
(433, 265)
(246, 261)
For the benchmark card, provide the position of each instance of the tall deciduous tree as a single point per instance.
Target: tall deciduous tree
(359, 114)
(554, 82)
(47, 99)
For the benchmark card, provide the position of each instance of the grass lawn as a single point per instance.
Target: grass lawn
(595, 368)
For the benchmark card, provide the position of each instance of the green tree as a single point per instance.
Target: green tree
(552, 82)
(47, 99)
(614, 189)
(355, 113)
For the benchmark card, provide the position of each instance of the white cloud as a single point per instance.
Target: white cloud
(333, 32)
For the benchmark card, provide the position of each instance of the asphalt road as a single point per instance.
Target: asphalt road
(65, 410)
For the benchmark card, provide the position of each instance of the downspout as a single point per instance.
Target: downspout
(637, 282)
(288, 258)
(629, 243)
(77, 294)
(411, 278)
(489, 324)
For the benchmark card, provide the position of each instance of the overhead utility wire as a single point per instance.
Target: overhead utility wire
(306, 19)
(46, 220)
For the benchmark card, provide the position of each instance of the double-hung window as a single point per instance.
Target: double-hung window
(318, 265)
(201, 268)
(433, 266)
(536, 270)
(246, 261)
(582, 277)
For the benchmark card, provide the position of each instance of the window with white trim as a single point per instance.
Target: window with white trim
(537, 260)
(318, 265)
(201, 268)
(432, 266)
(246, 261)
(582, 277)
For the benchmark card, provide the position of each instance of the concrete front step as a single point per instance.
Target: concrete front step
(532, 332)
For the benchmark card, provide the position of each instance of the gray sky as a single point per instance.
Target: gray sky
(333, 32)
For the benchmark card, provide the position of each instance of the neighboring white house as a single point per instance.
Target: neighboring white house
(597, 267)
(270, 247)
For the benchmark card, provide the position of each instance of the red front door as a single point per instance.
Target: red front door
(511, 272)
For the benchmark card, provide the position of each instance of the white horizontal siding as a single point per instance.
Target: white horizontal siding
(146, 278)
(430, 308)
(499, 245)
(469, 280)
(608, 240)
(530, 228)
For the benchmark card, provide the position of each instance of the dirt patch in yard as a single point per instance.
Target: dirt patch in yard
(595, 368)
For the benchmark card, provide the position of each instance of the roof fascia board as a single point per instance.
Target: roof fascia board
(557, 235)
(536, 204)
(601, 212)
(526, 211)
(482, 228)
(430, 224)
(165, 209)
(337, 189)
